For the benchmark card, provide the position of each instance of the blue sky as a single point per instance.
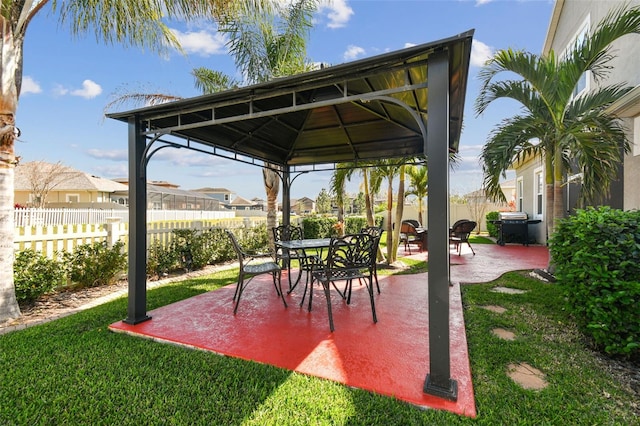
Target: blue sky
(68, 82)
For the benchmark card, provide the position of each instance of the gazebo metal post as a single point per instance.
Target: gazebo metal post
(137, 308)
(438, 381)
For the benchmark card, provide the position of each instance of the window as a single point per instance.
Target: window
(519, 194)
(72, 198)
(226, 197)
(636, 136)
(583, 83)
(538, 191)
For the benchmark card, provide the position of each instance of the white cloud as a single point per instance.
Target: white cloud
(90, 90)
(338, 13)
(480, 53)
(201, 42)
(114, 154)
(113, 171)
(409, 45)
(353, 52)
(482, 2)
(29, 85)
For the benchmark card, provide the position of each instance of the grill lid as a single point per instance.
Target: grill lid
(513, 216)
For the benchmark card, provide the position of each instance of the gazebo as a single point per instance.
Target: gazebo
(403, 104)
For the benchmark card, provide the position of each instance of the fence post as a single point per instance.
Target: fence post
(113, 230)
(247, 222)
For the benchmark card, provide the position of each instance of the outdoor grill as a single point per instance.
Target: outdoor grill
(513, 227)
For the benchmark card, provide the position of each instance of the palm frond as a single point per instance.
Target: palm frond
(210, 81)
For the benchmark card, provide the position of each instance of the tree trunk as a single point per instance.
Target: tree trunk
(367, 198)
(399, 213)
(271, 187)
(390, 221)
(11, 57)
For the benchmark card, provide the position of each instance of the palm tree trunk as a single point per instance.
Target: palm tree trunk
(11, 61)
(8, 304)
(399, 213)
(367, 198)
(271, 187)
(390, 221)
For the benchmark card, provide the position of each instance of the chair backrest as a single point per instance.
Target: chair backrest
(236, 246)
(374, 231)
(354, 251)
(462, 229)
(414, 222)
(408, 228)
(287, 233)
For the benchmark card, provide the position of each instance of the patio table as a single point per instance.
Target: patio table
(302, 246)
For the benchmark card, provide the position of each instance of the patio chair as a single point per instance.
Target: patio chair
(284, 257)
(348, 258)
(250, 270)
(460, 232)
(375, 232)
(410, 234)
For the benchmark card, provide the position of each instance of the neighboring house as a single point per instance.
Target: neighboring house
(304, 205)
(570, 21)
(240, 203)
(260, 202)
(42, 184)
(222, 194)
(162, 195)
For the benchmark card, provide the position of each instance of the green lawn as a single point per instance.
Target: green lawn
(74, 371)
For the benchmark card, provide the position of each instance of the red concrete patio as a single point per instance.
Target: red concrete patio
(389, 358)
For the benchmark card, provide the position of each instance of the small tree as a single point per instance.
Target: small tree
(43, 177)
(477, 202)
(323, 202)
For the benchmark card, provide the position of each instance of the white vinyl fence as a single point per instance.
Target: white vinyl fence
(48, 217)
(54, 239)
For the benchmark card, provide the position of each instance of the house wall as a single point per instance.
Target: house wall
(60, 197)
(625, 68)
(526, 172)
(632, 167)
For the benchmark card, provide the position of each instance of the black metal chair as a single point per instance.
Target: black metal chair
(348, 258)
(460, 232)
(250, 270)
(375, 232)
(284, 256)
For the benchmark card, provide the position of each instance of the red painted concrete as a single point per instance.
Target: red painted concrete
(390, 357)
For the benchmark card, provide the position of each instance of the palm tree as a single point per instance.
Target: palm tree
(268, 43)
(267, 46)
(388, 170)
(337, 188)
(127, 22)
(567, 131)
(418, 186)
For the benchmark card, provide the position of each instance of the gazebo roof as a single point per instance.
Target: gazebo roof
(363, 110)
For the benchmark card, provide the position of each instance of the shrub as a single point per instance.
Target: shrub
(323, 226)
(318, 226)
(92, 265)
(160, 259)
(491, 228)
(34, 275)
(597, 258)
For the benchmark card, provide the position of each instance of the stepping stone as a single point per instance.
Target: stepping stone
(527, 376)
(495, 308)
(504, 334)
(508, 290)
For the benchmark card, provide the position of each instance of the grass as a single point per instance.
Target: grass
(74, 371)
